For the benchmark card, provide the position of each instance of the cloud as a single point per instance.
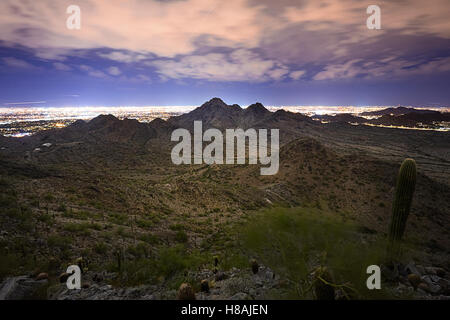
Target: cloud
(392, 67)
(114, 71)
(125, 57)
(17, 63)
(61, 66)
(297, 74)
(25, 102)
(234, 40)
(239, 65)
(93, 72)
(339, 71)
(164, 28)
(142, 77)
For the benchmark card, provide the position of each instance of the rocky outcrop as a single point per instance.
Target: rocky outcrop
(235, 285)
(21, 288)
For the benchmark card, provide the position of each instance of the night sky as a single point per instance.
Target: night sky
(184, 52)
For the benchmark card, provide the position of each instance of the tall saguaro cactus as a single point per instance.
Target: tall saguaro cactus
(406, 183)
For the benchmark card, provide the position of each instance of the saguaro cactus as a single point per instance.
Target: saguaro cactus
(406, 183)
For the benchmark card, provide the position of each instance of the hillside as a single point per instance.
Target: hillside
(109, 184)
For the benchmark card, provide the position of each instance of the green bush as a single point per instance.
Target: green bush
(181, 236)
(169, 263)
(292, 241)
(57, 241)
(101, 248)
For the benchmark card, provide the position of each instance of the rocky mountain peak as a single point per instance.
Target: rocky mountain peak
(257, 108)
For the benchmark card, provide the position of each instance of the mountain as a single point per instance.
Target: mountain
(107, 190)
(214, 113)
(217, 114)
(412, 119)
(396, 111)
(343, 117)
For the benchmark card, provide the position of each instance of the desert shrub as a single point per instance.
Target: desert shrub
(82, 227)
(57, 241)
(143, 223)
(148, 238)
(62, 208)
(49, 197)
(181, 236)
(11, 263)
(101, 248)
(123, 233)
(176, 227)
(118, 218)
(45, 218)
(169, 263)
(141, 250)
(293, 241)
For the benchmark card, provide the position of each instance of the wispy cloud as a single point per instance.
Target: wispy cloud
(61, 66)
(114, 71)
(23, 103)
(17, 63)
(239, 65)
(93, 72)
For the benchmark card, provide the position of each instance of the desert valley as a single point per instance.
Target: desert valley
(105, 194)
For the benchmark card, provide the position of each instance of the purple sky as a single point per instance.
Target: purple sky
(183, 52)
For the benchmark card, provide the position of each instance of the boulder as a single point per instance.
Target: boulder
(42, 276)
(220, 276)
(186, 292)
(414, 279)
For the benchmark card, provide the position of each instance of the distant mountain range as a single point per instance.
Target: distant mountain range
(397, 111)
(400, 116)
(213, 114)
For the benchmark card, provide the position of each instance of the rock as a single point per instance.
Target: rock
(401, 290)
(240, 296)
(414, 279)
(402, 270)
(440, 272)
(42, 276)
(410, 268)
(220, 276)
(98, 277)
(423, 286)
(420, 269)
(432, 282)
(19, 288)
(204, 285)
(258, 282)
(404, 280)
(85, 285)
(185, 292)
(254, 265)
(445, 286)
